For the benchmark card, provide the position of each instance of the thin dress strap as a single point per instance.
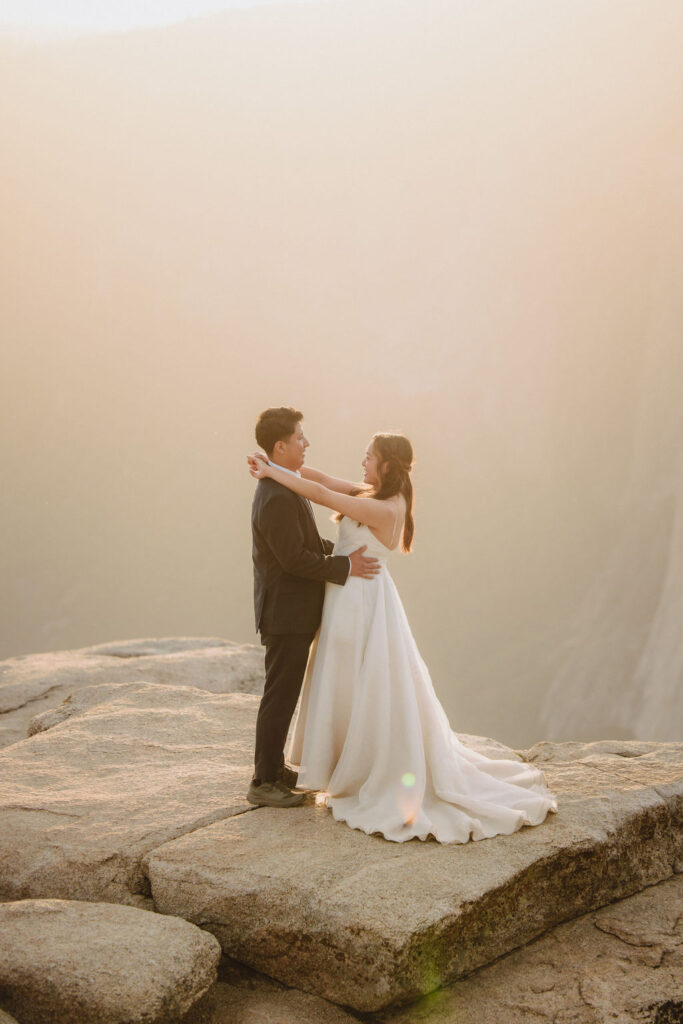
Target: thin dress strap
(393, 534)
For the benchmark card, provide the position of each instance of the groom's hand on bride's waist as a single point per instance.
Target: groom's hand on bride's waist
(362, 566)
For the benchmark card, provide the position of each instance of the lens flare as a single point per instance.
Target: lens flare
(409, 797)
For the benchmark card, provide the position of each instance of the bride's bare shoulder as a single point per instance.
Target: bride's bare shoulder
(399, 503)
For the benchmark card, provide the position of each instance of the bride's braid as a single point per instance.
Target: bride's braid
(395, 455)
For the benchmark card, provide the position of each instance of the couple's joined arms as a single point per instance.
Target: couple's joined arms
(369, 511)
(285, 540)
(332, 483)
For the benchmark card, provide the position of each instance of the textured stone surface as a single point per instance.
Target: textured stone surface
(622, 963)
(82, 803)
(226, 1004)
(366, 923)
(96, 963)
(244, 996)
(34, 683)
(574, 750)
(135, 792)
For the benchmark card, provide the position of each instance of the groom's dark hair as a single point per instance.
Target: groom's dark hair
(275, 425)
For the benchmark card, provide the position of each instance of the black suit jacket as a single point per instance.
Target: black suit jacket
(291, 561)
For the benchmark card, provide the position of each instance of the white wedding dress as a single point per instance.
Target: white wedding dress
(372, 736)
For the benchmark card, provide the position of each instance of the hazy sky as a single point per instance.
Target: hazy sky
(457, 219)
(108, 15)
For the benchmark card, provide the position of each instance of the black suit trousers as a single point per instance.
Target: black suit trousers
(286, 658)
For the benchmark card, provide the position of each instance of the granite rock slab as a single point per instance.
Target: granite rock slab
(366, 923)
(243, 996)
(622, 963)
(97, 963)
(81, 803)
(226, 1004)
(34, 683)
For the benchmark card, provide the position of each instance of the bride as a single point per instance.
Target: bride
(370, 732)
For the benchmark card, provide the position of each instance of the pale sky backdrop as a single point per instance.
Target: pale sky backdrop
(111, 15)
(456, 218)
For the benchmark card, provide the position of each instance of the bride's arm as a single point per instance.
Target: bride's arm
(364, 510)
(332, 483)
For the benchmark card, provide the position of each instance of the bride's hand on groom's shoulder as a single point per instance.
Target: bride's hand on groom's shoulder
(258, 465)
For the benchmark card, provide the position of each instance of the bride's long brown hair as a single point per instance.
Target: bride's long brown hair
(395, 457)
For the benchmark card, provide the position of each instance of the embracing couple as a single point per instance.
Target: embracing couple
(370, 733)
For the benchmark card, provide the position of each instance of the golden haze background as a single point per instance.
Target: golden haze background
(455, 219)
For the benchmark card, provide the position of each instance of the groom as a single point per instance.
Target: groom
(291, 565)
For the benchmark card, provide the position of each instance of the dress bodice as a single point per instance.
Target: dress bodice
(352, 535)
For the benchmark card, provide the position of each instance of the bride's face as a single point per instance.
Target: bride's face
(370, 466)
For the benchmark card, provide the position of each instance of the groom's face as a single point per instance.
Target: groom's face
(290, 452)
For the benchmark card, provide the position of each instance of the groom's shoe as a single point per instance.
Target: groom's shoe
(273, 794)
(288, 776)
